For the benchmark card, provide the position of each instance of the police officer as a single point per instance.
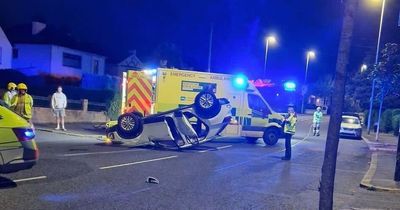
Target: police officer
(289, 130)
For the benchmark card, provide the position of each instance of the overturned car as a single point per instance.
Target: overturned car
(184, 127)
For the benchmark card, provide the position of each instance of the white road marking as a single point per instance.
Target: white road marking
(224, 147)
(217, 148)
(139, 162)
(30, 179)
(96, 153)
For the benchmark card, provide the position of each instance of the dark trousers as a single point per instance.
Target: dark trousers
(288, 145)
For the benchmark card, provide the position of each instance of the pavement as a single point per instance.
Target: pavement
(82, 173)
(380, 175)
(74, 129)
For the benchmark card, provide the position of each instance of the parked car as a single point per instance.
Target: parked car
(183, 127)
(18, 150)
(351, 127)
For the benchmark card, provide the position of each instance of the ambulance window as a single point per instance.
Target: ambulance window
(256, 103)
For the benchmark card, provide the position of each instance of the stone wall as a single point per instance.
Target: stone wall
(45, 115)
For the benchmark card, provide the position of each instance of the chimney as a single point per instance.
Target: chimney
(37, 27)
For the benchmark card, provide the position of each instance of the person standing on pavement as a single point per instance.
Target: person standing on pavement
(289, 130)
(58, 104)
(317, 121)
(11, 92)
(22, 102)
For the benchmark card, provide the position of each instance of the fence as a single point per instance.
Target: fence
(84, 104)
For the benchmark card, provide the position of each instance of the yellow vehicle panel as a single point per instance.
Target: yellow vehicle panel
(179, 87)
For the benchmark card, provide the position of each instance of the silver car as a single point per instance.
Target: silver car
(351, 127)
(184, 127)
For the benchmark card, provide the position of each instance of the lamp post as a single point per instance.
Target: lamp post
(376, 63)
(269, 40)
(310, 55)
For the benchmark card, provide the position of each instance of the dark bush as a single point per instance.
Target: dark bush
(386, 121)
(395, 124)
(114, 107)
(395, 112)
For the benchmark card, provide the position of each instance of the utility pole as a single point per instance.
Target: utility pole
(210, 47)
(371, 103)
(332, 142)
(397, 169)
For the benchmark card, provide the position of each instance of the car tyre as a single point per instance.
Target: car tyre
(271, 136)
(130, 125)
(206, 105)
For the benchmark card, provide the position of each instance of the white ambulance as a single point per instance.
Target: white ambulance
(160, 90)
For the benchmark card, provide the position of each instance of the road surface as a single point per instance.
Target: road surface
(229, 173)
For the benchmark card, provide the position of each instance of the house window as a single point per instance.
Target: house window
(95, 66)
(71, 60)
(1, 55)
(15, 52)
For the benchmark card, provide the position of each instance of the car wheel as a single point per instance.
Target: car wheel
(271, 136)
(129, 126)
(206, 105)
(251, 140)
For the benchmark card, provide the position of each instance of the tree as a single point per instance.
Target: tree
(332, 141)
(322, 87)
(358, 89)
(387, 75)
(168, 55)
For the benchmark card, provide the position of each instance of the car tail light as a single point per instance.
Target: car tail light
(24, 134)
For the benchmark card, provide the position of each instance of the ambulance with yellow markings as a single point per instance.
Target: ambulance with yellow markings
(158, 91)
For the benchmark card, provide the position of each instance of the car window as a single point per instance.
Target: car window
(350, 120)
(256, 103)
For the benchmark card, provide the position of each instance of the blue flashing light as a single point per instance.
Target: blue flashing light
(150, 71)
(29, 134)
(289, 86)
(240, 81)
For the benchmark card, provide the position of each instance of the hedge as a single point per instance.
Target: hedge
(395, 124)
(386, 121)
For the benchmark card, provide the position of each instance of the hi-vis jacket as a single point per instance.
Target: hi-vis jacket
(290, 125)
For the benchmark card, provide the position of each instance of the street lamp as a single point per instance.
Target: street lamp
(268, 40)
(374, 81)
(363, 68)
(310, 56)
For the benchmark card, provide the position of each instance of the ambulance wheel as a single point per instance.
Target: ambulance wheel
(271, 136)
(206, 105)
(129, 126)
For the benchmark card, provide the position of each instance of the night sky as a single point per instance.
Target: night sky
(118, 26)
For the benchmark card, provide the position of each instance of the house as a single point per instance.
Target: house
(40, 49)
(132, 62)
(5, 51)
(35, 59)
